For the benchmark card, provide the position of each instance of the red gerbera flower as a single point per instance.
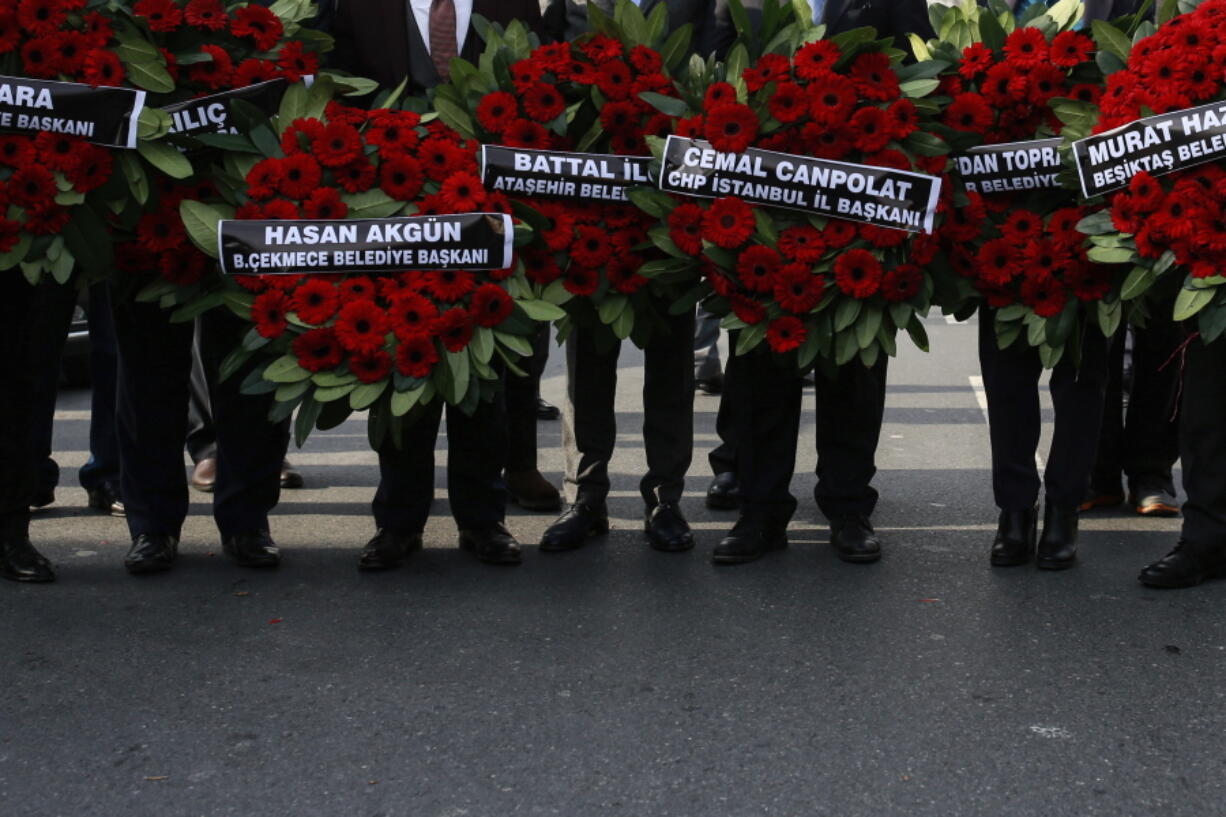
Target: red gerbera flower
(317, 350)
(1070, 48)
(491, 305)
(874, 77)
(718, 93)
(361, 326)
(797, 289)
(543, 103)
(300, 174)
(259, 24)
(997, 262)
(401, 178)
(816, 59)
(160, 231)
(463, 193)
(325, 202)
(92, 169)
(1044, 295)
(858, 273)
(901, 283)
(728, 223)
(1026, 46)
(161, 15)
(731, 127)
(785, 334)
(802, 243)
(450, 285)
(454, 328)
(591, 246)
(968, 112)
(756, 267)
(685, 228)
(524, 133)
(411, 314)
(497, 111)
(207, 14)
(214, 73)
(832, 100)
(357, 176)
(370, 367)
(581, 281)
(416, 356)
(252, 71)
(1021, 226)
(295, 62)
(337, 145)
(268, 313)
(316, 301)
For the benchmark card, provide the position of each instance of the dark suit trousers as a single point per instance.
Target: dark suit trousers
(589, 429)
(18, 373)
(53, 304)
(521, 399)
(475, 453)
(1202, 446)
(1011, 383)
(766, 424)
(1142, 443)
(154, 369)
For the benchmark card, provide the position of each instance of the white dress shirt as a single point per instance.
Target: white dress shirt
(463, 13)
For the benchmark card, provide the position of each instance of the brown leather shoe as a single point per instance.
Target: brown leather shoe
(204, 475)
(1100, 499)
(532, 492)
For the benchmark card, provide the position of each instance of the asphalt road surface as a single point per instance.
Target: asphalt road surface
(617, 680)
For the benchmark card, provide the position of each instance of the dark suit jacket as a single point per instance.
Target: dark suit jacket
(713, 28)
(379, 39)
(891, 18)
(1110, 9)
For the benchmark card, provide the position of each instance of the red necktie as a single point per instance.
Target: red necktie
(442, 35)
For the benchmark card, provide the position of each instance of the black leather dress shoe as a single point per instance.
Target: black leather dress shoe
(291, 477)
(494, 545)
(42, 498)
(151, 553)
(387, 550)
(751, 538)
(667, 529)
(710, 385)
(546, 410)
(1184, 566)
(579, 523)
(724, 492)
(20, 562)
(1057, 548)
(105, 498)
(253, 549)
(1015, 537)
(854, 539)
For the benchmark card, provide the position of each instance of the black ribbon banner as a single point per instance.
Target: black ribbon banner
(1158, 144)
(1011, 167)
(105, 116)
(472, 241)
(586, 176)
(211, 114)
(883, 196)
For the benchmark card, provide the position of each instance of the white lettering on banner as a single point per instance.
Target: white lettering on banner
(559, 164)
(72, 127)
(190, 119)
(25, 97)
(535, 187)
(1130, 142)
(311, 234)
(1198, 121)
(414, 231)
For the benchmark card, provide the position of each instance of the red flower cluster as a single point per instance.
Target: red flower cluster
(582, 243)
(1013, 255)
(814, 104)
(60, 39)
(372, 326)
(230, 46)
(554, 77)
(1179, 66)
(1187, 216)
(1003, 95)
(159, 243)
(31, 171)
